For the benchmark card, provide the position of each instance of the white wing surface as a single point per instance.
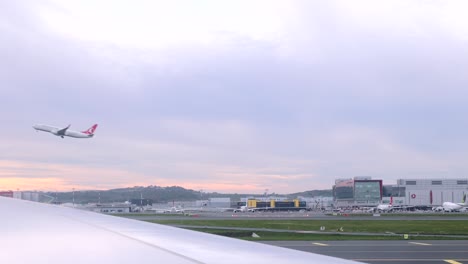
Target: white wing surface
(63, 130)
(40, 233)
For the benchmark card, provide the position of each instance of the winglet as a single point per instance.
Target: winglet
(91, 130)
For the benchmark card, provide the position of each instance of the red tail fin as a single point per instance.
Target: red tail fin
(391, 200)
(91, 130)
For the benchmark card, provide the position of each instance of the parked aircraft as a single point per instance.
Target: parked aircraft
(244, 208)
(385, 207)
(455, 207)
(174, 210)
(61, 132)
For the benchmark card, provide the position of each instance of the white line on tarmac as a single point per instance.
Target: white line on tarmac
(320, 244)
(421, 244)
(452, 261)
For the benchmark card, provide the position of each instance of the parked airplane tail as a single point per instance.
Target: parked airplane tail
(391, 200)
(91, 130)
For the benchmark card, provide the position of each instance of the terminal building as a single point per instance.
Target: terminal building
(26, 195)
(357, 191)
(273, 203)
(363, 191)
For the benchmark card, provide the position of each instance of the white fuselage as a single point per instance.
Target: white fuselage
(56, 131)
(452, 207)
(244, 209)
(384, 207)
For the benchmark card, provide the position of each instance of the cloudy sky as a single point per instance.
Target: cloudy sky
(232, 96)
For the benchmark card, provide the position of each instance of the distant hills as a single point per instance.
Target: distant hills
(158, 195)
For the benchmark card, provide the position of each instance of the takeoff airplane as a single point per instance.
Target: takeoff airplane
(61, 132)
(455, 207)
(48, 234)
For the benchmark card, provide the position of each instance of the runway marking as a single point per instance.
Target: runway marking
(320, 244)
(422, 244)
(452, 261)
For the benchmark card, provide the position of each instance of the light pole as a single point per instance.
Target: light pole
(73, 197)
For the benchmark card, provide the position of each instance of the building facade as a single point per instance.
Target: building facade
(363, 191)
(432, 192)
(357, 191)
(6, 194)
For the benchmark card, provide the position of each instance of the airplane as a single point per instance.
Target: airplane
(164, 210)
(385, 207)
(455, 207)
(243, 209)
(45, 233)
(61, 132)
(174, 210)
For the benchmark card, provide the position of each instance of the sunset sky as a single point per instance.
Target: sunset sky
(232, 96)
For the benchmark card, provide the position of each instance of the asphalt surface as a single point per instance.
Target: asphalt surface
(388, 252)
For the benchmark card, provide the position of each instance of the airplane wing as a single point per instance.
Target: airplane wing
(62, 131)
(42, 233)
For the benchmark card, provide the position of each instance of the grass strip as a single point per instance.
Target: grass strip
(436, 227)
(274, 236)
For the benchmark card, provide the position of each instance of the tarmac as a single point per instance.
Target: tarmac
(388, 252)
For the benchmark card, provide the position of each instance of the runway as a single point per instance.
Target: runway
(388, 252)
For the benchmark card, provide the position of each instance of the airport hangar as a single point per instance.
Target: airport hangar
(364, 191)
(273, 203)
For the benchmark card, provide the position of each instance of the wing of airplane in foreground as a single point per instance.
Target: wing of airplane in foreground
(42, 233)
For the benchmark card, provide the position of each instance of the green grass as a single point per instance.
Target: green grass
(403, 214)
(436, 227)
(132, 215)
(275, 236)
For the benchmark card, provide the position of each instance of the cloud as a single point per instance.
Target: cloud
(158, 24)
(287, 100)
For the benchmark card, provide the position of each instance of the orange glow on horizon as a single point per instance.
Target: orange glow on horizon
(40, 184)
(20, 175)
(56, 184)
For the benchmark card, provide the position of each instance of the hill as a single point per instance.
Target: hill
(157, 194)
